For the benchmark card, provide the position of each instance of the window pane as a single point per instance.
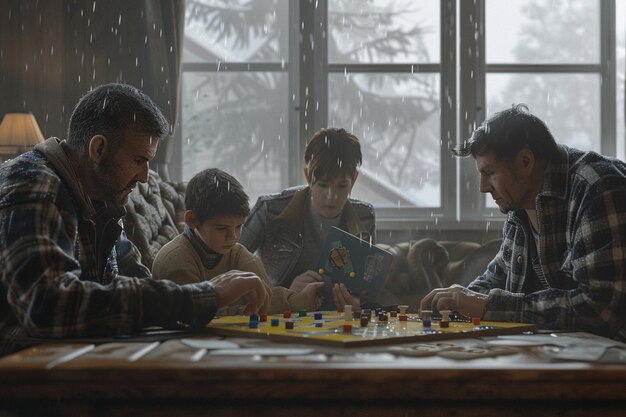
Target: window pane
(383, 31)
(568, 103)
(397, 119)
(237, 122)
(542, 31)
(236, 30)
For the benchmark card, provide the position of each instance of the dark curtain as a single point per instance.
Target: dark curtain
(52, 52)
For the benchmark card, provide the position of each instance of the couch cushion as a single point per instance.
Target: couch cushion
(154, 214)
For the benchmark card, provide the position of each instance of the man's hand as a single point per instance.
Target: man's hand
(233, 285)
(304, 279)
(342, 296)
(455, 298)
(308, 298)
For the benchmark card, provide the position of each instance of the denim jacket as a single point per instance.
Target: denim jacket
(275, 225)
(581, 213)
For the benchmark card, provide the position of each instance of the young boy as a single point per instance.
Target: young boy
(288, 229)
(216, 208)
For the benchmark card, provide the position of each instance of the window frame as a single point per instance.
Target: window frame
(462, 98)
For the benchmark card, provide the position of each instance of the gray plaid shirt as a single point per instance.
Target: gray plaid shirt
(581, 211)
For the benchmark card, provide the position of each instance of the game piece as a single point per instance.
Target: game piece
(254, 317)
(347, 309)
(445, 316)
(289, 325)
(317, 316)
(364, 321)
(476, 321)
(274, 322)
(356, 314)
(263, 318)
(302, 313)
(287, 314)
(253, 324)
(393, 313)
(402, 317)
(352, 274)
(347, 328)
(321, 271)
(403, 308)
(426, 316)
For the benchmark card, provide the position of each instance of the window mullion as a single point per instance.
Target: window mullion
(608, 112)
(471, 101)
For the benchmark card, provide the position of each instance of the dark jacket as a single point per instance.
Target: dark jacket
(275, 225)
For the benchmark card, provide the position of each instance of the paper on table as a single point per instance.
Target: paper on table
(205, 343)
(571, 346)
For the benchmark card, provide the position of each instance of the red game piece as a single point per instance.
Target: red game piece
(287, 314)
(347, 328)
(402, 317)
(475, 321)
(263, 318)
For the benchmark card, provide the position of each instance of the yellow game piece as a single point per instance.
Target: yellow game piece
(321, 271)
(352, 274)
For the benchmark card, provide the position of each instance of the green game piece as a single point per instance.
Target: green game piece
(302, 313)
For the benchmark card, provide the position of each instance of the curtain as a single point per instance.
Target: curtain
(53, 52)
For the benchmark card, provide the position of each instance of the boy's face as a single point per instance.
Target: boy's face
(220, 233)
(328, 196)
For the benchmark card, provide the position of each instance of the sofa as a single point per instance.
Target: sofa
(155, 216)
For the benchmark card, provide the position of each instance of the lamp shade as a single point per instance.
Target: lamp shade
(19, 132)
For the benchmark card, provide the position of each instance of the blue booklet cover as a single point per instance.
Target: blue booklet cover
(359, 265)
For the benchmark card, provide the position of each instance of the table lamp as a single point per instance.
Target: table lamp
(19, 132)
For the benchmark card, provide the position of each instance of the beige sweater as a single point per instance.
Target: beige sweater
(178, 261)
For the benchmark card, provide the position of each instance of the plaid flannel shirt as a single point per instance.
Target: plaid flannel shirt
(55, 282)
(581, 211)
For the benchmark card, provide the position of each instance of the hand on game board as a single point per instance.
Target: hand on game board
(342, 296)
(234, 284)
(304, 279)
(455, 298)
(308, 298)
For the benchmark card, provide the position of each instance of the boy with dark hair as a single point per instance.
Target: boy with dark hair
(216, 208)
(288, 229)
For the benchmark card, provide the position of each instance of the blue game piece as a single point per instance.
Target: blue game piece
(254, 317)
(274, 322)
(253, 324)
(319, 324)
(317, 316)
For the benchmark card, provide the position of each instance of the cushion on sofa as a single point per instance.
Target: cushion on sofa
(421, 266)
(154, 215)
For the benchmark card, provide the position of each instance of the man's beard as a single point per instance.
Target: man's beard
(107, 182)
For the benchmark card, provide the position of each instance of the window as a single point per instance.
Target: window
(408, 77)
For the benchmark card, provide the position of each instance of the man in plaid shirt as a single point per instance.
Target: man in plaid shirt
(60, 210)
(562, 263)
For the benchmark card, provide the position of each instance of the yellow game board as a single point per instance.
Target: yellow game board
(332, 331)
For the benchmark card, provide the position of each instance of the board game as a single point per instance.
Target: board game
(331, 329)
(356, 263)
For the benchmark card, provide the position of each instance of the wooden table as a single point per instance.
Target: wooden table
(171, 378)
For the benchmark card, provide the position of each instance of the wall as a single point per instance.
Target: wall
(52, 52)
